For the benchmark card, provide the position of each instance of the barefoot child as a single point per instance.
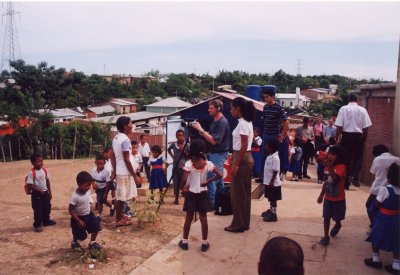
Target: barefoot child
(82, 218)
(332, 193)
(39, 184)
(385, 228)
(158, 180)
(195, 187)
(100, 176)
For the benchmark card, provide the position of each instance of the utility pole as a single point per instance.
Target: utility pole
(11, 49)
(299, 63)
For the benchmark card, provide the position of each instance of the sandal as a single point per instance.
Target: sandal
(335, 230)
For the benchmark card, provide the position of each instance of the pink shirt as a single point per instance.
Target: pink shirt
(318, 128)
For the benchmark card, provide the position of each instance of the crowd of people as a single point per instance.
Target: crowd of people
(198, 166)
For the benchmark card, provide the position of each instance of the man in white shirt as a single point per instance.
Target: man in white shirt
(352, 125)
(144, 151)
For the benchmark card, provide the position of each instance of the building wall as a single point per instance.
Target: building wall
(162, 110)
(380, 108)
(91, 114)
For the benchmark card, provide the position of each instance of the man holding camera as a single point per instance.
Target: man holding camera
(218, 143)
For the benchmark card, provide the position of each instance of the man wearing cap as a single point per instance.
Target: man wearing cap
(276, 124)
(352, 125)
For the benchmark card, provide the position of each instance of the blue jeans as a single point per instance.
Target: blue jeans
(218, 160)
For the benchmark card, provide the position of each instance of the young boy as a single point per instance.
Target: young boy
(138, 159)
(39, 183)
(271, 181)
(111, 184)
(380, 166)
(100, 176)
(144, 150)
(256, 152)
(175, 150)
(83, 220)
(332, 193)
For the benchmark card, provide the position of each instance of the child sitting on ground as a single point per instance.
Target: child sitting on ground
(82, 218)
(332, 193)
(100, 176)
(385, 229)
(271, 181)
(39, 184)
(158, 180)
(295, 161)
(195, 187)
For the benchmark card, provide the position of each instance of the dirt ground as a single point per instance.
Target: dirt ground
(25, 251)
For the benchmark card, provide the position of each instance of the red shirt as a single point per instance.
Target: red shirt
(340, 170)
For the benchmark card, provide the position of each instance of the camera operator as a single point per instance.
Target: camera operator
(218, 143)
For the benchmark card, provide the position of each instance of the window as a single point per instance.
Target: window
(291, 103)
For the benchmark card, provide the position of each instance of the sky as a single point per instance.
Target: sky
(356, 39)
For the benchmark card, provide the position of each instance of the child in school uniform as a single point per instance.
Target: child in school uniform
(256, 152)
(111, 184)
(138, 159)
(38, 181)
(271, 181)
(295, 161)
(83, 220)
(195, 183)
(385, 229)
(175, 151)
(332, 193)
(101, 176)
(158, 180)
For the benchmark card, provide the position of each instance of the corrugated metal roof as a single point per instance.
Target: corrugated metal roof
(102, 109)
(170, 102)
(122, 102)
(290, 96)
(139, 116)
(65, 112)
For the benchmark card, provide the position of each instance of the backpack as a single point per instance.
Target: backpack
(27, 187)
(223, 202)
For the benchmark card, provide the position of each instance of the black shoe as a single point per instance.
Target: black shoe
(95, 246)
(355, 183)
(38, 229)
(335, 229)
(246, 228)
(205, 247)
(271, 218)
(76, 246)
(184, 246)
(300, 177)
(230, 229)
(324, 241)
(390, 269)
(369, 262)
(266, 213)
(49, 222)
(306, 177)
(259, 180)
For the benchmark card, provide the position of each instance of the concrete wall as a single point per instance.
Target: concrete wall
(162, 110)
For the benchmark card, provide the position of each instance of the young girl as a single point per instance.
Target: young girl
(332, 193)
(158, 180)
(194, 183)
(385, 228)
(295, 161)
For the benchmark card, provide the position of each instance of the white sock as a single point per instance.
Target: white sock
(396, 264)
(204, 242)
(375, 257)
(184, 240)
(273, 210)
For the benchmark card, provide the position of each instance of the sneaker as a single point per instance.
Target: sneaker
(95, 246)
(271, 218)
(76, 246)
(306, 177)
(49, 222)
(324, 241)
(112, 212)
(335, 229)
(38, 229)
(390, 269)
(184, 246)
(205, 247)
(369, 262)
(266, 213)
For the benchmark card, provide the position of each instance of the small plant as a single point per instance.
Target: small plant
(147, 212)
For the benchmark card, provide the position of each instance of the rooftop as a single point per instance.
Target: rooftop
(170, 102)
(102, 109)
(65, 112)
(122, 102)
(138, 116)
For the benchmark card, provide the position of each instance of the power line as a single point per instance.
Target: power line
(11, 48)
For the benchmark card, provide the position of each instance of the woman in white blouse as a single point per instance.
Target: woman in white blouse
(242, 164)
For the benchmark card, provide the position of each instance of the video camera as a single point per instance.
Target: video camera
(187, 123)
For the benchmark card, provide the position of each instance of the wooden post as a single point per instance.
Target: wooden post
(73, 152)
(9, 147)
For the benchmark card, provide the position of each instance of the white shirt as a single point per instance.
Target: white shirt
(272, 164)
(81, 202)
(135, 165)
(383, 193)
(154, 159)
(258, 140)
(379, 168)
(244, 128)
(138, 158)
(40, 179)
(121, 143)
(196, 177)
(353, 118)
(144, 150)
(101, 177)
(108, 166)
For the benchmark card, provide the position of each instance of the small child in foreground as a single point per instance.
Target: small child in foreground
(332, 193)
(83, 220)
(101, 177)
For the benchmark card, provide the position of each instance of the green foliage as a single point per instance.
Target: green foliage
(148, 211)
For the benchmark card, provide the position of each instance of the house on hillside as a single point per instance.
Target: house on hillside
(292, 100)
(167, 106)
(127, 79)
(124, 105)
(100, 111)
(64, 114)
